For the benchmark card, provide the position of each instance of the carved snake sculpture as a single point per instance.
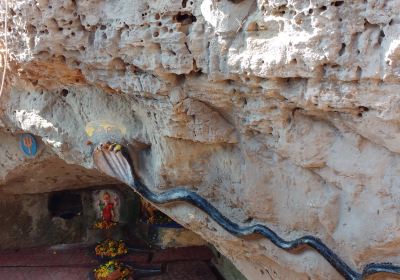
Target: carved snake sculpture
(113, 160)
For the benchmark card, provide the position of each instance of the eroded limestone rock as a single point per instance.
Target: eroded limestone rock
(279, 112)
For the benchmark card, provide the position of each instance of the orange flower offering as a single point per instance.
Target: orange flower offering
(111, 248)
(112, 270)
(104, 225)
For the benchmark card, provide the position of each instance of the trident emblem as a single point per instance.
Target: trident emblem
(28, 144)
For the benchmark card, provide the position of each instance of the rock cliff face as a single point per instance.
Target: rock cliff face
(280, 112)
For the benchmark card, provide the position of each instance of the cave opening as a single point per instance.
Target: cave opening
(54, 206)
(65, 205)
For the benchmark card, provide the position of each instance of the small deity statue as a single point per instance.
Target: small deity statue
(148, 211)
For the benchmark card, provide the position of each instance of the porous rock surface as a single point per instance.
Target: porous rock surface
(280, 112)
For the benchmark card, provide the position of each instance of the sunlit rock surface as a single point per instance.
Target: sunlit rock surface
(280, 112)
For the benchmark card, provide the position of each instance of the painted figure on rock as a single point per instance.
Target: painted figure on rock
(107, 208)
(107, 204)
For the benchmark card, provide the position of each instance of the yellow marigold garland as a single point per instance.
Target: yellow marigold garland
(111, 248)
(104, 271)
(104, 225)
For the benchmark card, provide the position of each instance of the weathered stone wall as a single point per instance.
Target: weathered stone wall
(26, 222)
(281, 112)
